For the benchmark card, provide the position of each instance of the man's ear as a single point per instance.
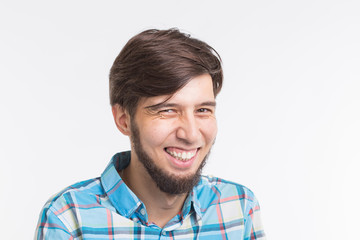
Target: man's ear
(122, 119)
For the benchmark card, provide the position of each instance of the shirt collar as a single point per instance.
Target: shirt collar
(123, 199)
(127, 203)
(205, 194)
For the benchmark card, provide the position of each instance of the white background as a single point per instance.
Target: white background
(288, 115)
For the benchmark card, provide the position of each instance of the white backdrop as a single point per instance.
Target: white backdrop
(288, 114)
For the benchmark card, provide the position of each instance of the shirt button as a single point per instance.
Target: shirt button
(142, 211)
(163, 233)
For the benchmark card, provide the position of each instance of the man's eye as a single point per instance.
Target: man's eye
(204, 110)
(167, 111)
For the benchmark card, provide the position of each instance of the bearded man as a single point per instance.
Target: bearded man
(163, 86)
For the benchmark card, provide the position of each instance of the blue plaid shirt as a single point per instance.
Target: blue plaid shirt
(105, 208)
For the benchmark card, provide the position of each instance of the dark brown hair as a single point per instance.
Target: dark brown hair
(160, 62)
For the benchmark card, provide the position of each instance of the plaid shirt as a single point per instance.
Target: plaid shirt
(105, 208)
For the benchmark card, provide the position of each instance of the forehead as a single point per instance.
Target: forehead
(197, 90)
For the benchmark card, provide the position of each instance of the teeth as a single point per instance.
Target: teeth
(182, 156)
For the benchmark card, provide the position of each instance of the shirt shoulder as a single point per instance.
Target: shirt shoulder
(226, 188)
(212, 190)
(59, 212)
(84, 193)
(81, 191)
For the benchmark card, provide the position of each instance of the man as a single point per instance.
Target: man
(163, 86)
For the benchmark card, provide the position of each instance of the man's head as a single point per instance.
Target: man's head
(160, 62)
(163, 86)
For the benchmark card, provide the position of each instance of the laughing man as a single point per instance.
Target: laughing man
(163, 86)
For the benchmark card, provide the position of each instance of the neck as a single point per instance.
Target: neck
(161, 207)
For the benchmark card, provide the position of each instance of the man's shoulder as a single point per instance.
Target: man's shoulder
(225, 189)
(79, 193)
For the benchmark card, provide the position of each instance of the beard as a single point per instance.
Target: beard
(166, 182)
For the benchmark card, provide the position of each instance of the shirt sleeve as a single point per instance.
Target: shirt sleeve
(51, 227)
(253, 225)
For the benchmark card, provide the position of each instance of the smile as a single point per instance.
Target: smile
(182, 155)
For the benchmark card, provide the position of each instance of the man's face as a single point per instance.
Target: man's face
(172, 135)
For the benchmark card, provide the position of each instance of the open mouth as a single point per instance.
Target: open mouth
(180, 154)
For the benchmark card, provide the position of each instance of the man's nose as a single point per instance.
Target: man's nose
(189, 129)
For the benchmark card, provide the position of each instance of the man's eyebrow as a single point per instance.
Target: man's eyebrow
(208, 103)
(167, 105)
(161, 105)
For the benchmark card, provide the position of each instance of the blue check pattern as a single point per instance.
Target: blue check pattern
(105, 208)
